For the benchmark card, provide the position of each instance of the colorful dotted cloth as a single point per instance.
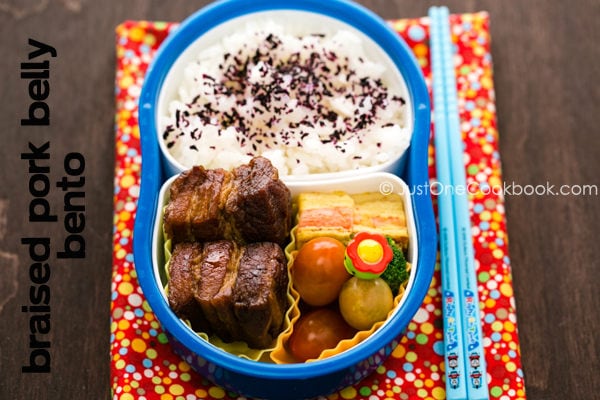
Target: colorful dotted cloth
(143, 366)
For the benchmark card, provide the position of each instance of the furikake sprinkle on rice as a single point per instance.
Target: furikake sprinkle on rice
(307, 103)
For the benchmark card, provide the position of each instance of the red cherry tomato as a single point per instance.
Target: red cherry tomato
(318, 330)
(318, 272)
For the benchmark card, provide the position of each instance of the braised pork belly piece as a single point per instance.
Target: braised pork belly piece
(259, 204)
(248, 204)
(237, 292)
(260, 293)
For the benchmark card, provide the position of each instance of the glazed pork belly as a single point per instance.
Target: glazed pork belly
(237, 292)
(259, 204)
(260, 293)
(194, 210)
(184, 273)
(218, 270)
(248, 204)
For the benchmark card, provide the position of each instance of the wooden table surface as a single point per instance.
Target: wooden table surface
(546, 59)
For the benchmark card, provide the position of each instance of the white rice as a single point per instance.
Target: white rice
(310, 104)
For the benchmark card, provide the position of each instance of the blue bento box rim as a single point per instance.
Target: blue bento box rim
(416, 176)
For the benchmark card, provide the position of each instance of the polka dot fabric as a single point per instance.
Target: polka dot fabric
(143, 366)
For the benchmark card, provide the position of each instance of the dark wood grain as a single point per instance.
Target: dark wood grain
(546, 61)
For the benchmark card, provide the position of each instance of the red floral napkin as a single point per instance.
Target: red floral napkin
(143, 366)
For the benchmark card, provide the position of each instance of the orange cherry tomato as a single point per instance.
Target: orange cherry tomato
(318, 272)
(318, 330)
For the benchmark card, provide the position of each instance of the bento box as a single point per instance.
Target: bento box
(270, 371)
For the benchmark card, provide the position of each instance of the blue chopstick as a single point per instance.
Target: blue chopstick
(473, 341)
(450, 145)
(453, 341)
